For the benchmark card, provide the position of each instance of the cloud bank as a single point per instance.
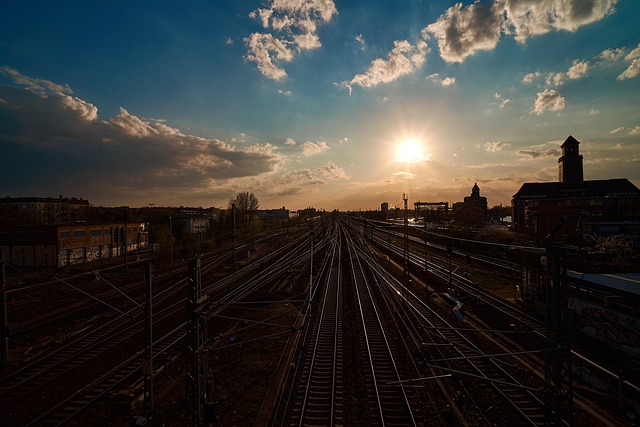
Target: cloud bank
(58, 143)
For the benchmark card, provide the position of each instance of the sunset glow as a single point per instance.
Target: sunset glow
(411, 151)
(313, 103)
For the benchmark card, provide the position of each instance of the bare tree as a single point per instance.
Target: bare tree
(246, 205)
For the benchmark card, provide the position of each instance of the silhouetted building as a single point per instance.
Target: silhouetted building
(191, 222)
(42, 210)
(432, 211)
(473, 211)
(275, 213)
(571, 207)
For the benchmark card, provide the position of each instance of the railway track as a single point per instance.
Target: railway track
(320, 392)
(101, 358)
(516, 331)
(353, 380)
(374, 352)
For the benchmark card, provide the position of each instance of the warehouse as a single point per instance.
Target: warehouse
(42, 246)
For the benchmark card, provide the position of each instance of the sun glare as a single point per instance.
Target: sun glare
(410, 152)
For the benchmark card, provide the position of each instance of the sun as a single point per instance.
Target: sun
(410, 151)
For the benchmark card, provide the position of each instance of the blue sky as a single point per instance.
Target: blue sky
(330, 104)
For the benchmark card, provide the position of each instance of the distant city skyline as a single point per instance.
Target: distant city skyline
(330, 104)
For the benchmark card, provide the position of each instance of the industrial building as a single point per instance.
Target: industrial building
(53, 245)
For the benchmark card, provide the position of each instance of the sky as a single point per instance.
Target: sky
(313, 103)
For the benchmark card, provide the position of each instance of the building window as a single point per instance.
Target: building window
(23, 235)
(97, 232)
(64, 234)
(5, 237)
(79, 233)
(39, 235)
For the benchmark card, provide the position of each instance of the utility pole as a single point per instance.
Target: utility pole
(147, 366)
(450, 256)
(170, 240)
(311, 264)
(125, 243)
(558, 369)
(4, 335)
(405, 273)
(233, 239)
(199, 383)
(426, 245)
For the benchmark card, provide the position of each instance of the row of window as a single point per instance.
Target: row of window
(83, 233)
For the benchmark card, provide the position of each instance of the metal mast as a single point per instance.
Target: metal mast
(199, 383)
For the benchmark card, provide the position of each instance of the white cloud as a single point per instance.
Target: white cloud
(229, 41)
(462, 31)
(296, 22)
(402, 60)
(494, 147)
(635, 53)
(635, 131)
(529, 78)
(260, 48)
(402, 176)
(534, 154)
(305, 180)
(295, 14)
(33, 83)
(619, 146)
(310, 148)
(503, 101)
(285, 92)
(555, 79)
(446, 82)
(333, 172)
(611, 55)
(548, 100)
(87, 111)
(530, 18)
(632, 71)
(307, 41)
(360, 39)
(289, 141)
(616, 130)
(344, 140)
(132, 125)
(578, 70)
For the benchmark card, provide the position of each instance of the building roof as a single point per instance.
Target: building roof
(570, 140)
(624, 282)
(593, 188)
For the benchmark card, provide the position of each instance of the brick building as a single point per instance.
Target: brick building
(572, 207)
(42, 246)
